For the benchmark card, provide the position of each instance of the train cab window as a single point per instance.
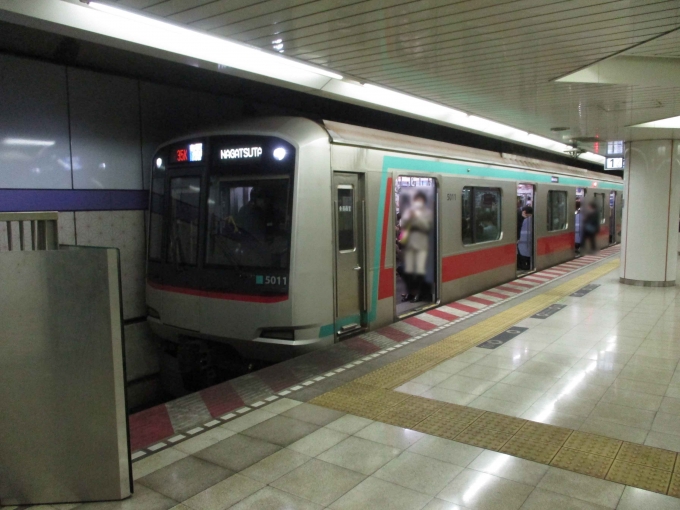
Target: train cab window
(481, 218)
(346, 218)
(249, 222)
(557, 210)
(185, 195)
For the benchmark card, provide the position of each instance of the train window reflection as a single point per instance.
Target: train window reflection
(184, 215)
(557, 210)
(345, 218)
(481, 218)
(248, 222)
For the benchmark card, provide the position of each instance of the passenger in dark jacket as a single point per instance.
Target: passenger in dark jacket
(591, 226)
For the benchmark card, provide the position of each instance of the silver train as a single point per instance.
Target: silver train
(276, 236)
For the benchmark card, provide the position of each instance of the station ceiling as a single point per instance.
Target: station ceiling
(495, 58)
(575, 71)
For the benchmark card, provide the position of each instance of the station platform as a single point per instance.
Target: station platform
(558, 390)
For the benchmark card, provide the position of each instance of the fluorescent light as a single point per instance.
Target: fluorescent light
(185, 41)
(669, 123)
(28, 142)
(181, 44)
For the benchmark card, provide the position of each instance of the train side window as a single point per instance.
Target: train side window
(185, 195)
(557, 210)
(345, 203)
(599, 203)
(481, 218)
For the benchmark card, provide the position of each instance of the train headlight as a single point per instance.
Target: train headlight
(279, 153)
(159, 162)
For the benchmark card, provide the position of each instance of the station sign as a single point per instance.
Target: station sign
(614, 159)
(613, 163)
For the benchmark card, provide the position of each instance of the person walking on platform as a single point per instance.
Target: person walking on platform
(591, 227)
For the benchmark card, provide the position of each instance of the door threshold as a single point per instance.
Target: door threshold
(350, 330)
(418, 310)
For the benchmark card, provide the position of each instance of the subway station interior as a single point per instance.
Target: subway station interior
(339, 254)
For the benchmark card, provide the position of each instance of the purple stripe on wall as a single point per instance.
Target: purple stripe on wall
(20, 200)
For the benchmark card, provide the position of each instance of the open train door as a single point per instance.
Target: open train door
(350, 264)
(526, 242)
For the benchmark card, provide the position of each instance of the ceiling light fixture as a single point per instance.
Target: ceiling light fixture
(668, 123)
(194, 47)
(171, 37)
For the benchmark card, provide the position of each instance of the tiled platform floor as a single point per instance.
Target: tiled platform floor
(187, 413)
(297, 456)
(291, 455)
(606, 364)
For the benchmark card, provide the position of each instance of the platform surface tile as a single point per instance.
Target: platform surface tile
(363, 441)
(188, 415)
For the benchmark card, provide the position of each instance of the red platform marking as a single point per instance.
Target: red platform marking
(393, 334)
(278, 377)
(509, 289)
(149, 426)
(221, 399)
(443, 315)
(479, 300)
(474, 262)
(464, 308)
(525, 285)
(538, 278)
(420, 323)
(495, 294)
(358, 344)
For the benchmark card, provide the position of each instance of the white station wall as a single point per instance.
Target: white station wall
(73, 129)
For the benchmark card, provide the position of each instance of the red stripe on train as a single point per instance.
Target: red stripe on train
(468, 264)
(218, 295)
(386, 278)
(552, 244)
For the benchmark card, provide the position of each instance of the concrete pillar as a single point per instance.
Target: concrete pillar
(649, 250)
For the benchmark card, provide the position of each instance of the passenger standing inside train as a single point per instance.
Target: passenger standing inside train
(525, 242)
(591, 226)
(416, 224)
(578, 228)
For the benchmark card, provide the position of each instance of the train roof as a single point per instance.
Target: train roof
(303, 130)
(348, 134)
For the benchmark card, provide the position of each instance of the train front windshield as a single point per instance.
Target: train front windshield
(221, 216)
(249, 222)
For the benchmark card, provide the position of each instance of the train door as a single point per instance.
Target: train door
(578, 219)
(350, 267)
(416, 256)
(525, 229)
(612, 217)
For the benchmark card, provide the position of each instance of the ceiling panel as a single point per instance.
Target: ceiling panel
(494, 58)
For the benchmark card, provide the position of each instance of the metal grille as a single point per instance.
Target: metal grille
(29, 231)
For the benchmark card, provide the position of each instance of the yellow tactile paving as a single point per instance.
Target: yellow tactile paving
(484, 438)
(643, 477)
(371, 396)
(647, 456)
(543, 433)
(594, 444)
(531, 449)
(674, 487)
(582, 462)
(408, 413)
